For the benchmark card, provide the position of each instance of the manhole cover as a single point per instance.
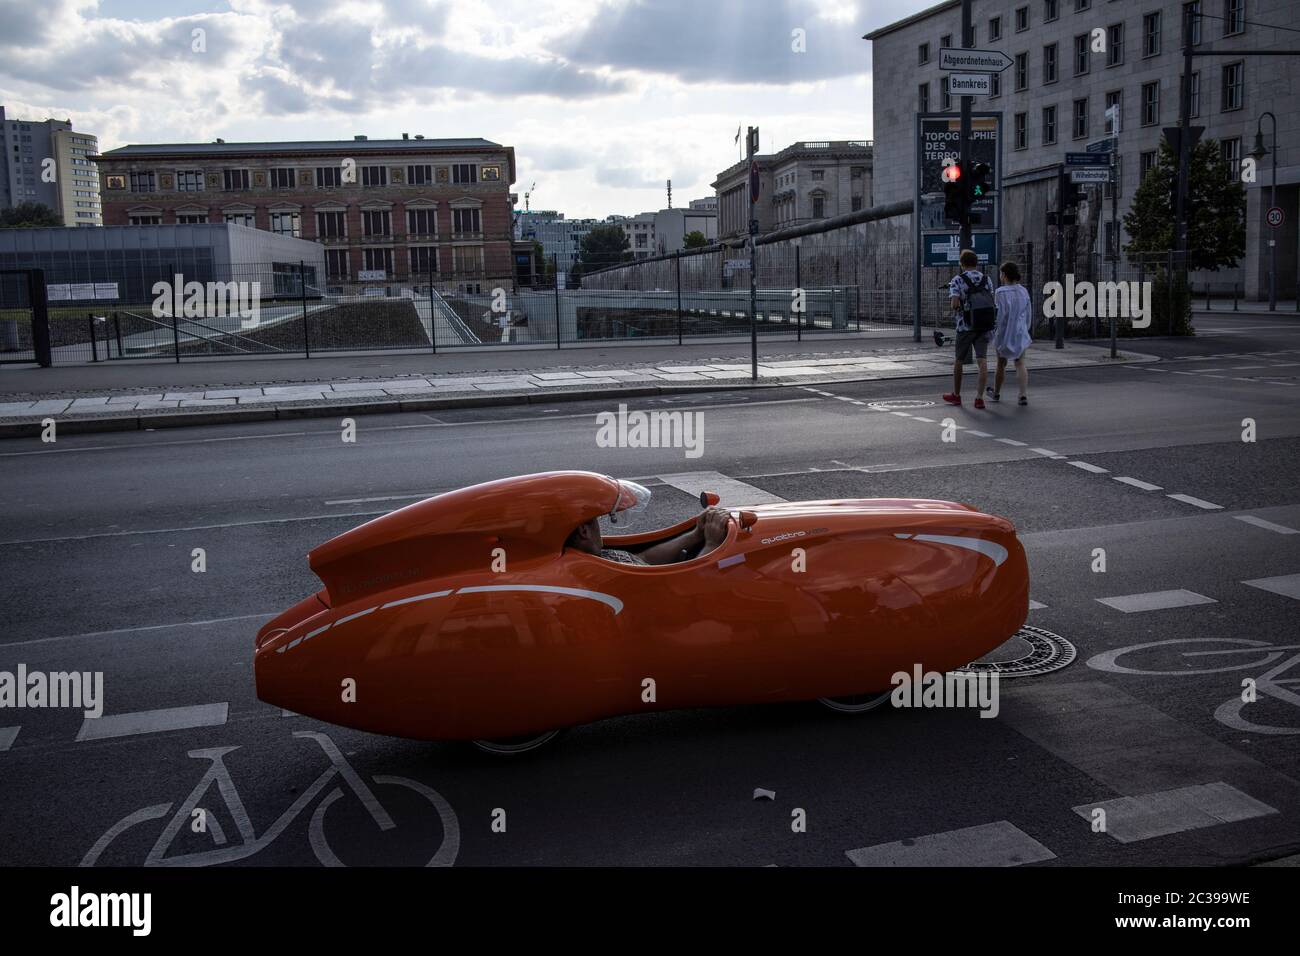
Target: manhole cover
(1029, 651)
(900, 403)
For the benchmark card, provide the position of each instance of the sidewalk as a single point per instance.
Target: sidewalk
(160, 395)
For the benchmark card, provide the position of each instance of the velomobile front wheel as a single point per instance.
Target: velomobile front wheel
(855, 703)
(514, 746)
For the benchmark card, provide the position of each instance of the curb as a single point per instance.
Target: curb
(266, 412)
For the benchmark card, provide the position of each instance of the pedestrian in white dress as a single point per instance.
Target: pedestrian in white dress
(1011, 337)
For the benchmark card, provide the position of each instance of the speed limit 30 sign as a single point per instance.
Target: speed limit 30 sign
(1275, 217)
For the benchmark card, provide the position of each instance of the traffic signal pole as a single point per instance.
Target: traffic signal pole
(967, 42)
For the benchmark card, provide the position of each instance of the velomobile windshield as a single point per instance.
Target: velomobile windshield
(632, 499)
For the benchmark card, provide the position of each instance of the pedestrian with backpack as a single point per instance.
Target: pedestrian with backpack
(970, 295)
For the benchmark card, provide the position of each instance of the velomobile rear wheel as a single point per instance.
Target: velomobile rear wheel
(855, 703)
(514, 746)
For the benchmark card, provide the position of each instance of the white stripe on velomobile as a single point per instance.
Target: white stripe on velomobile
(990, 548)
(418, 597)
(609, 599)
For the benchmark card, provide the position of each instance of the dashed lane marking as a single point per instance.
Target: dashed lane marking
(729, 489)
(1138, 483)
(1266, 525)
(1287, 585)
(1036, 605)
(1012, 441)
(990, 844)
(971, 431)
(1095, 469)
(7, 737)
(137, 630)
(153, 721)
(1131, 819)
(1198, 502)
(1155, 600)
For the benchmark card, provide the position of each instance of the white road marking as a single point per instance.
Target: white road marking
(1266, 525)
(136, 630)
(1136, 483)
(1198, 502)
(1046, 452)
(1095, 469)
(1130, 819)
(1012, 441)
(972, 431)
(153, 721)
(1287, 585)
(731, 491)
(991, 844)
(1155, 600)
(922, 418)
(7, 737)
(150, 444)
(207, 527)
(366, 501)
(1035, 605)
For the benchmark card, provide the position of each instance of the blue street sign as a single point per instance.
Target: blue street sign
(944, 249)
(1087, 159)
(1101, 146)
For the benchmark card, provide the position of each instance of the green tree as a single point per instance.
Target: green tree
(694, 239)
(602, 247)
(1216, 233)
(29, 215)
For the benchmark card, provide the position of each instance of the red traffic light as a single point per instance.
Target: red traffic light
(951, 173)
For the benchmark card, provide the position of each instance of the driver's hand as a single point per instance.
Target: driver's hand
(714, 521)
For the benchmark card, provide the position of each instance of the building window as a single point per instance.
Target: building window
(1192, 12)
(1051, 10)
(424, 260)
(856, 203)
(1196, 94)
(189, 180)
(1022, 130)
(1081, 5)
(374, 175)
(923, 98)
(421, 222)
(819, 207)
(336, 262)
(142, 183)
(466, 221)
(1151, 103)
(234, 178)
(923, 53)
(241, 219)
(331, 225)
(1230, 150)
(329, 177)
(1234, 79)
(1115, 44)
(286, 223)
(945, 102)
(191, 219)
(1081, 64)
(996, 85)
(376, 222)
(1081, 118)
(489, 174)
(467, 260)
(1151, 34)
(1146, 162)
(1234, 17)
(464, 173)
(1049, 125)
(282, 178)
(945, 40)
(378, 260)
(144, 220)
(1022, 19)
(995, 28)
(1022, 70)
(419, 175)
(1049, 63)
(818, 175)
(1115, 98)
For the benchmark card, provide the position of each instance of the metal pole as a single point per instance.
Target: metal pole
(117, 332)
(753, 264)
(1184, 138)
(1272, 235)
(967, 41)
(1060, 249)
(1114, 222)
(433, 315)
(798, 284)
(555, 266)
(302, 294)
(94, 346)
(176, 333)
(677, 261)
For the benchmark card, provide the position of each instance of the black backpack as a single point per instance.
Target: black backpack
(981, 310)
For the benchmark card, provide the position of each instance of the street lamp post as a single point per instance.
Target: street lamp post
(1258, 153)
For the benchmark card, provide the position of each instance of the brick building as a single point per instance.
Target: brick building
(400, 207)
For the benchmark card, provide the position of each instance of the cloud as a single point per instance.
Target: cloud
(730, 41)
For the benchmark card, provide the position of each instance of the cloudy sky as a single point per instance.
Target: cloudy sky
(603, 100)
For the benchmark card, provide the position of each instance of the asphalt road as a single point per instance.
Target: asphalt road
(95, 552)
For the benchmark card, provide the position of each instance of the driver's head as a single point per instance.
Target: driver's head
(586, 537)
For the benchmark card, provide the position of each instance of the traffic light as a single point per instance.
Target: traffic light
(977, 184)
(955, 199)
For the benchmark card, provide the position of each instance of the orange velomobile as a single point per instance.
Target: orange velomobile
(466, 617)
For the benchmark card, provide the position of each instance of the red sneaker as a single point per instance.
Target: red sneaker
(979, 403)
(952, 399)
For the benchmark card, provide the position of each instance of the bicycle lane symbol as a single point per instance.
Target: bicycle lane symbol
(249, 842)
(1245, 655)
